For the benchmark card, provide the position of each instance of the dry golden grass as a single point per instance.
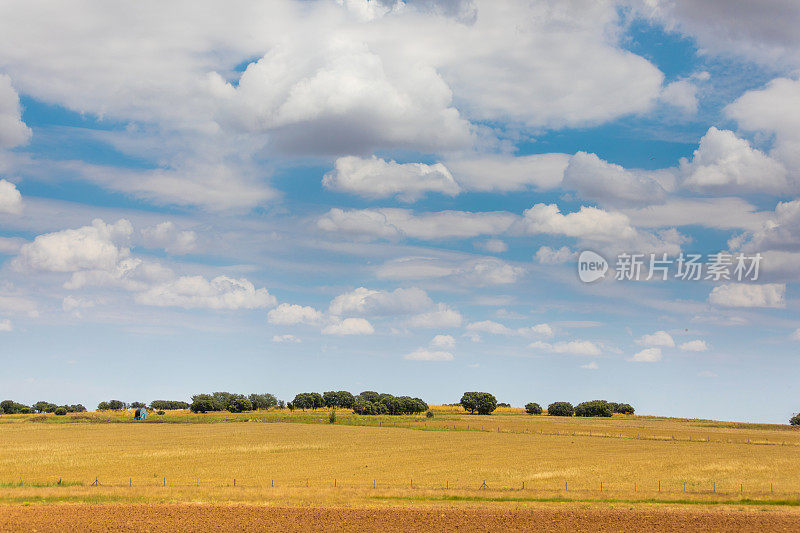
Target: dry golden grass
(448, 456)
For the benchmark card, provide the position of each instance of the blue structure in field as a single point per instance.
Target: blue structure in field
(140, 414)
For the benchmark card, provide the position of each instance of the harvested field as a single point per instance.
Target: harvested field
(189, 517)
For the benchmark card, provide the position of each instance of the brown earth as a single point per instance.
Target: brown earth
(208, 518)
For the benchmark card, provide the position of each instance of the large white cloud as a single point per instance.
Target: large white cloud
(726, 163)
(648, 355)
(377, 178)
(775, 111)
(369, 302)
(13, 132)
(99, 246)
(747, 295)
(221, 292)
(10, 198)
(763, 31)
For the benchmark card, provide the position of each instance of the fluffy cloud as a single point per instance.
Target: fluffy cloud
(659, 338)
(489, 326)
(568, 347)
(13, 132)
(368, 302)
(775, 111)
(349, 326)
(610, 184)
(376, 178)
(694, 346)
(87, 248)
(5, 325)
(505, 173)
(548, 256)
(778, 231)
(424, 354)
(719, 213)
(10, 198)
(290, 314)
(726, 163)
(167, 236)
(443, 341)
(746, 295)
(597, 227)
(400, 223)
(648, 355)
(681, 94)
(758, 31)
(442, 316)
(221, 292)
(542, 330)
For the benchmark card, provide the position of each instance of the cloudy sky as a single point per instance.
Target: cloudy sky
(312, 195)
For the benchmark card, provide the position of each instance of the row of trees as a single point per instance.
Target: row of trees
(600, 408)
(373, 403)
(10, 407)
(235, 403)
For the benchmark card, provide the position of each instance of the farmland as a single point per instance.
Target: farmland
(506, 460)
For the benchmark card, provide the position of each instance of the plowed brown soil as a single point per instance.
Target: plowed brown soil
(204, 517)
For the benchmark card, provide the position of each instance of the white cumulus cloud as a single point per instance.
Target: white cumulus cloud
(747, 295)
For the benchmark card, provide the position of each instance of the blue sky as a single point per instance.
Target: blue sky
(209, 199)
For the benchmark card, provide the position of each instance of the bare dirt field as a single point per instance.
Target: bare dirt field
(206, 517)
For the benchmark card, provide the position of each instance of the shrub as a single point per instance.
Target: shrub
(429, 414)
(332, 416)
(240, 405)
(159, 412)
(60, 411)
(593, 408)
(560, 409)
(795, 420)
(481, 402)
(533, 408)
(503, 404)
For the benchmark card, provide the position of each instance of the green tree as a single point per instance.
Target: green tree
(623, 408)
(533, 408)
(369, 396)
(482, 403)
(203, 403)
(263, 401)
(795, 420)
(60, 411)
(560, 409)
(103, 406)
(240, 405)
(137, 405)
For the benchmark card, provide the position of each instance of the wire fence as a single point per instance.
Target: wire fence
(649, 487)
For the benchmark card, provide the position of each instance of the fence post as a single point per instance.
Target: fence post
(565, 486)
(523, 485)
(634, 486)
(271, 482)
(659, 486)
(684, 486)
(601, 486)
(447, 486)
(165, 481)
(130, 482)
(234, 482)
(715, 486)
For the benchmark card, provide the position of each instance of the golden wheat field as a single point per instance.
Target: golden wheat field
(301, 458)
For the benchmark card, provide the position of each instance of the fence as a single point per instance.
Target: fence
(650, 487)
